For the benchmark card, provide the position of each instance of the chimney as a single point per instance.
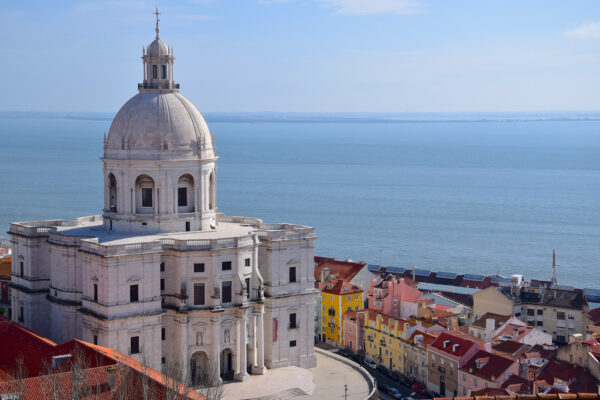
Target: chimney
(490, 324)
(58, 361)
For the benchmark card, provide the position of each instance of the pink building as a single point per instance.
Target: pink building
(353, 331)
(485, 370)
(397, 297)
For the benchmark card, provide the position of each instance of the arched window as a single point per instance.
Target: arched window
(144, 188)
(185, 193)
(112, 193)
(163, 71)
(154, 72)
(211, 191)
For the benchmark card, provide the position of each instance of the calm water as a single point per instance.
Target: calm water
(482, 197)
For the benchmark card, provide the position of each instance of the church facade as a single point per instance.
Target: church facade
(161, 275)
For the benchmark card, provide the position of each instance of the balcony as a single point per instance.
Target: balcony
(369, 338)
(382, 342)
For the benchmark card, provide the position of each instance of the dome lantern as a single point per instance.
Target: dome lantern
(158, 64)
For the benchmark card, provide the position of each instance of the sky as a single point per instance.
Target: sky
(307, 55)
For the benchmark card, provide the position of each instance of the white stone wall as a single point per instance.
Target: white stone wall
(165, 214)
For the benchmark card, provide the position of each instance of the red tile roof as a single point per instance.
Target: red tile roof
(517, 384)
(345, 270)
(21, 348)
(339, 287)
(453, 343)
(491, 366)
(593, 346)
(499, 320)
(508, 347)
(594, 316)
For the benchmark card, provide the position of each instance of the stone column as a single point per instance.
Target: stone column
(259, 368)
(133, 200)
(196, 208)
(242, 373)
(216, 346)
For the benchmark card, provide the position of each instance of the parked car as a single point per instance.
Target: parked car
(395, 393)
(408, 398)
(381, 369)
(343, 353)
(356, 358)
(369, 364)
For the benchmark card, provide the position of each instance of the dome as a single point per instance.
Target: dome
(158, 48)
(158, 125)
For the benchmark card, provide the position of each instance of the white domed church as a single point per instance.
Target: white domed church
(161, 275)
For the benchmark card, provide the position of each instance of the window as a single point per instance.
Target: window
(146, 197)
(21, 268)
(199, 267)
(163, 360)
(292, 274)
(247, 287)
(226, 265)
(349, 298)
(540, 323)
(162, 267)
(540, 311)
(247, 262)
(292, 343)
(187, 226)
(95, 292)
(475, 381)
(21, 317)
(530, 312)
(162, 284)
(356, 308)
(560, 339)
(355, 297)
(198, 294)
(96, 339)
(163, 334)
(349, 309)
(154, 72)
(135, 345)
(226, 292)
(464, 377)
(182, 197)
(350, 328)
(133, 293)
(293, 321)
(560, 315)
(571, 315)
(163, 71)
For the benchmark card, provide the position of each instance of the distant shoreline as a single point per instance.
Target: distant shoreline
(285, 117)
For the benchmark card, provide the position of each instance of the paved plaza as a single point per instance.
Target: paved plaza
(325, 381)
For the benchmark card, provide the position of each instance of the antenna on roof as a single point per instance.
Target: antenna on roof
(414, 273)
(554, 278)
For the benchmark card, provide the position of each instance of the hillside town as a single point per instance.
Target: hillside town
(448, 335)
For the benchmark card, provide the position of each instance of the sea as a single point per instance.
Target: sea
(476, 193)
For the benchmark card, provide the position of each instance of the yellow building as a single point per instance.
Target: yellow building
(385, 340)
(337, 298)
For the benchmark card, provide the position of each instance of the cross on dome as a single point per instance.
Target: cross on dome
(157, 20)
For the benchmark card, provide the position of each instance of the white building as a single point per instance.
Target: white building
(161, 275)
